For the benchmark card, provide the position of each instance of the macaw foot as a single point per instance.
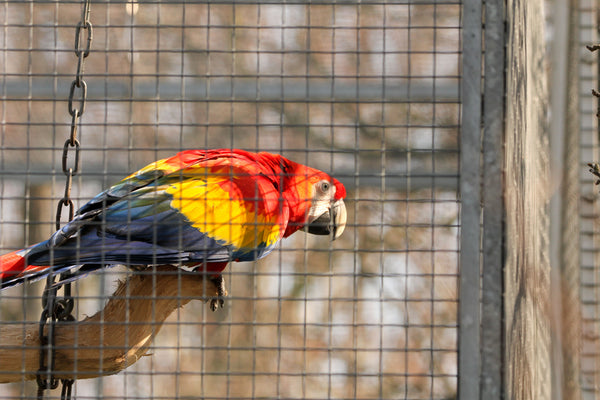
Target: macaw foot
(219, 283)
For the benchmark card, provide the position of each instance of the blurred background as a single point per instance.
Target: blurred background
(367, 92)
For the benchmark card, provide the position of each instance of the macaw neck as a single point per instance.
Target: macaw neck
(291, 179)
(298, 210)
(297, 194)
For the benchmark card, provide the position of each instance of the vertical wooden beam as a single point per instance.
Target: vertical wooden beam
(527, 268)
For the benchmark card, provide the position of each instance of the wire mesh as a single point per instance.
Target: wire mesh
(365, 91)
(588, 73)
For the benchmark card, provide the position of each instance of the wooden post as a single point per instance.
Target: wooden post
(113, 338)
(527, 191)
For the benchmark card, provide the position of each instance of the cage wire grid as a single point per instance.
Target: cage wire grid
(366, 91)
(588, 75)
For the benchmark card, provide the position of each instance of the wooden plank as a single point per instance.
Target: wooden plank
(527, 269)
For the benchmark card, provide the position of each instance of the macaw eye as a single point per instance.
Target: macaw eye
(325, 186)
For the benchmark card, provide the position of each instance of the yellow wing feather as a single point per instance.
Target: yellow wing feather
(213, 210)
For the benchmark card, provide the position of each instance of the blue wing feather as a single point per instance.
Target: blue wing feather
(139, 229)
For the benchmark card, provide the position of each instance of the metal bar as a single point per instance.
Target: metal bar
(469, 357)
(276, 2)
(564, 237)
(493, 207)
(558, 104)
(300, 89)
(419, 179)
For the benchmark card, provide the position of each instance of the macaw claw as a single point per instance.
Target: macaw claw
(216, 302)
(219, 300)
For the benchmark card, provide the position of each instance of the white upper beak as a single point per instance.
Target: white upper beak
(338, 211)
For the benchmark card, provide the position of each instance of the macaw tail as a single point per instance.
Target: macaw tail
(13, 268)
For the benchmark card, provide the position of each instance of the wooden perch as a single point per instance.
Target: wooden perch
(113, 338)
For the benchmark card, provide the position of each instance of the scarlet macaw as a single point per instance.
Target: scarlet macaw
(199, 209)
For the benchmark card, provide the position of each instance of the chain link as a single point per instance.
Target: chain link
(59, 309)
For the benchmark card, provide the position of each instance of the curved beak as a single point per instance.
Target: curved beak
(339, 218)
(331, 222)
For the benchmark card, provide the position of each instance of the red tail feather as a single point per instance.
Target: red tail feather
(12, 266)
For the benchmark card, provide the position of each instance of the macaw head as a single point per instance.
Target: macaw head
(327, 212)
(316, 200)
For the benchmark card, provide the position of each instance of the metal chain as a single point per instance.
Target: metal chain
(58, 309)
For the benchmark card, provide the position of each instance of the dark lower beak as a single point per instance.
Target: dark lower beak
(321, 225)
(331, 222)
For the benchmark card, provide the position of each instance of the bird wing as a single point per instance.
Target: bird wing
(193, 214)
